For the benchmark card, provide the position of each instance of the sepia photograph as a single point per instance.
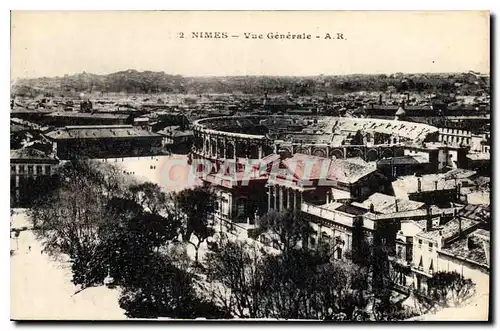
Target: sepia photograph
(250, 166)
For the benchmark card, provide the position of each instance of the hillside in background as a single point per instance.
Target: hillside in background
(133, 81)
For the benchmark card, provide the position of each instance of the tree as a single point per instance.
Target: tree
(164, 291)
(68, 221)
(234, 274)
(288, 228)
(131, 235)
(69, 218)
(301, 285)
(450, 289)
(149, 196)
(195, 206)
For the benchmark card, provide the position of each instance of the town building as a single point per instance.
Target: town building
(460, 245)
(61, 119)
(440, 156)
(176, 139)
(103, 141)
(404, 166)
(29, 170)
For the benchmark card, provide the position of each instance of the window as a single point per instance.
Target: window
(21, 169)
(420, 243)
(30, 170)
(12, 169)
(339, 253)
(400, 252)
(47, 169)
(39, 169)
(430, 247)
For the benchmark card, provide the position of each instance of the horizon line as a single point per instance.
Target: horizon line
(261, 75)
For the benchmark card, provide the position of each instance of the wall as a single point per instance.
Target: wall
(478, 275)
(27, 181)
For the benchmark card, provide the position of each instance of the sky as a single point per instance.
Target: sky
(50, 43)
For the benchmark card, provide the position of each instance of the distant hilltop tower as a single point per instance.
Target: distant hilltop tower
(400, 113)
(264, 102)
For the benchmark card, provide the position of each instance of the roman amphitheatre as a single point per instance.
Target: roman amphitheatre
(255, 137)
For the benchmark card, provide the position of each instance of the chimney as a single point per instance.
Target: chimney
(469, 244)
(436, 185)
(459, 225)
(372, 208)
(419, 184)
(380, 99)
(428, 224)
(396, 204)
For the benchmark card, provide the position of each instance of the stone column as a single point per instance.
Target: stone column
(225, 145)
(275, 192)
(230, 207)
(295, 206)
(269, 197)
(217, 148)
(282, 196)
(260, 152)
(289, 198)
(234, 148)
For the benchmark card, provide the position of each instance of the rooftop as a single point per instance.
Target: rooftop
(459, 174)
(87, 115)
(476, 212)
(450, 229)
(407, 159)
(28, 153)
(310, 167)
(385, 204)
(99, 131)
(478, 156)
(432, 182)
(471, 248)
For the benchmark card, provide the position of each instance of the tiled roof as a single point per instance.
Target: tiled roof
(470, 248)
(407, 159)
(478, 156)
(476, 212)
(482, 233)
(450, 229)
(17, 128)
(384, 204)
(100, 131)
(459, 174)
(87, 115)
(28, 154)
(309, 167)
(409, 184)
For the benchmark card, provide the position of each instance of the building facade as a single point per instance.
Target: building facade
(103, 141)
(29, 170)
